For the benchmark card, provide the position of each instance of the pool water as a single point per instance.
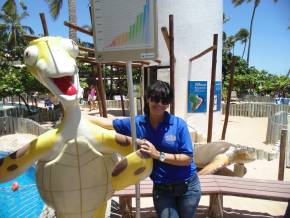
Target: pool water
(25, 202)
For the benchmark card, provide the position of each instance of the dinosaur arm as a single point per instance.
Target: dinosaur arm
(17, 162)
(115, 142)
(108, 140)
(106, 123)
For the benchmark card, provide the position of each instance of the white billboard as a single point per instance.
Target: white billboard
(124, 30)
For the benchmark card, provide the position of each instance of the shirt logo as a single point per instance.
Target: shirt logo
(170, 138)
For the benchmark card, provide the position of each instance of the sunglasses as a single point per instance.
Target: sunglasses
(157, 99)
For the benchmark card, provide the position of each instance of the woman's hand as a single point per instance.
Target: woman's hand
(148, 148)
(173, 159)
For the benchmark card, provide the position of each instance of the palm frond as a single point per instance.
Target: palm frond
(9, 7)
(3, 26)
(237, 2)
(23, 15)
(23, 5)
(28, 29)
(4, 17)
(54, 7)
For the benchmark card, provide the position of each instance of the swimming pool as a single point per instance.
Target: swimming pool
(25, 202)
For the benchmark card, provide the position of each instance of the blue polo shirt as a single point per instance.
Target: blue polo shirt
(170, 136)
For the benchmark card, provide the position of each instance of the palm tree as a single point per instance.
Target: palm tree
(55, 7)
(256, 4)
(229, 44)
(242, 36)
(10, 23)
(225, 19)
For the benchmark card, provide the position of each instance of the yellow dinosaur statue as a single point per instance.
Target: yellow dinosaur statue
(77, 169)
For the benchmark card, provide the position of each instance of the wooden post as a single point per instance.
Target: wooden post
(288, 144)
(44, 26)
(282, 154)
(102, 89)
(166, 37)
(120, 85)
(99, 100)
(172, 59)
(202, 53)
(216, 206)
(212, 87)
(95, 83)
(78, 28)
(232, 70)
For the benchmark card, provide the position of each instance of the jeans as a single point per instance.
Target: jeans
(178, 200)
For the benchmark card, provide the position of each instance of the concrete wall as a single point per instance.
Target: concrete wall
(195, 22)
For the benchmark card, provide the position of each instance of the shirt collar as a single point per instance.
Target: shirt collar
(169, 119)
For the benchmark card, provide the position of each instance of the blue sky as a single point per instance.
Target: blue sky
(270, 48)
(270, 40)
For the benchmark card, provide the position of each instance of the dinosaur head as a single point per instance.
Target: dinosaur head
(52, 61)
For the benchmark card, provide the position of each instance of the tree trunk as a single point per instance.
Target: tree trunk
(72, 19)
(26, 104)
(229, 94)
(244, 49)
(251, 29)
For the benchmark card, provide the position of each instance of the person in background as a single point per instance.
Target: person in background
(48, 103)
(35, 98)
(81, 95)
(92, 97)
(176, 189)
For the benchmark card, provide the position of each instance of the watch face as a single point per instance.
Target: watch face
(162, 157)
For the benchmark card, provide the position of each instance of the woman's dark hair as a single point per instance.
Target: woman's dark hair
(158, 91)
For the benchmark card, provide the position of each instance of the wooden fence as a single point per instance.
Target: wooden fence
(288, 144)
(44, 115)
(239, 109)
(276, 123)
(12, 125)
(255, 109)
(41, 116)
(251, 98)
(110, 104)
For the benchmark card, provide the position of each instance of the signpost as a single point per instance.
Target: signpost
(125, 30)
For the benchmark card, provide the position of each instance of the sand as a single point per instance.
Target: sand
(245, 131)
(12, 142)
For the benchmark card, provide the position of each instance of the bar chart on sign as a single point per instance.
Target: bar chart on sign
(122, 25)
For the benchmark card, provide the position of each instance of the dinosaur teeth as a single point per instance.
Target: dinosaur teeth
(65, 85)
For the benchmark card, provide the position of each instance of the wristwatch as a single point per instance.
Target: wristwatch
(162, 156)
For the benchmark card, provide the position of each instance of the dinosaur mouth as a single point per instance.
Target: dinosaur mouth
(65, 85)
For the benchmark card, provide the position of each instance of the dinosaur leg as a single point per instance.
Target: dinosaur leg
(101, 211)
(130, 170)
(217, 163)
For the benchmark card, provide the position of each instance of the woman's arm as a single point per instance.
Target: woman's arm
(173, 159)
(106, 123)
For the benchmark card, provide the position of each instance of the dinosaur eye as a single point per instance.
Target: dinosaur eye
(71, 47)
(30, 55)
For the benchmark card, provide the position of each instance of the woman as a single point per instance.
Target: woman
(176, 190)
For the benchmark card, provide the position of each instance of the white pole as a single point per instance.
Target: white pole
(133, 127)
